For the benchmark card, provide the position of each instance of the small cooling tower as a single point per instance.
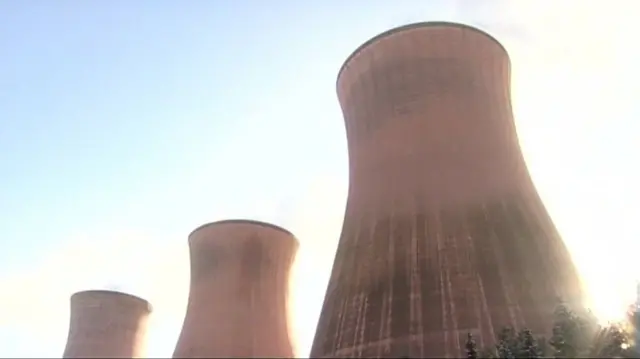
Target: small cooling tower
(107, 324)
(238, 295)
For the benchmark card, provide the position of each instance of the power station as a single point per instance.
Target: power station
(444, 233)
(239, 291)
(107, 324)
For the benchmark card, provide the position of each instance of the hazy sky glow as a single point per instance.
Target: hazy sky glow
(124, 125)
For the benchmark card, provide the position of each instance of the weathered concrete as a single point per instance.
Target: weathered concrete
(239, 291)
(107, 324)
(444, 232)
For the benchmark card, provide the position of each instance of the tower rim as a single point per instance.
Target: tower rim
(113, 293)
(412, 26)
(241, 221)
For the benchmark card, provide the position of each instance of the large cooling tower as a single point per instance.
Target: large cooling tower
(444, 233)
(107, 324)
(239, 287)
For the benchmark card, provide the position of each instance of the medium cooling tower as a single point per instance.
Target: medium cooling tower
(444, 233)
(239, 287)
(107, 324)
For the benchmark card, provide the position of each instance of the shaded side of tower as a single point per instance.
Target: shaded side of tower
(107, 324)
(238, 296)
(444, 233)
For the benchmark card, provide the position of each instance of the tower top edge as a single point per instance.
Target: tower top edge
(412, 26)
(241, 221)
(104, 293)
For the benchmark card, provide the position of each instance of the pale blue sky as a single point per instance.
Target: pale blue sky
(125, 124)
(110, 109)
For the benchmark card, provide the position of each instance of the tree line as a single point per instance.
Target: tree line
(572, 336)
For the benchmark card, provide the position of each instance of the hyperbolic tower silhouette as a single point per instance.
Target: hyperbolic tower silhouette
(239, 288)
(107, 324)
(444, 232)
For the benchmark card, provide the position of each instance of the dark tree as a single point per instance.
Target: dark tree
(634, 319)
(472, 351)
(489, 353)
(614, 342)
(571, 334)
(543, 346)
(529, 346)
(633, 329)
(507, 343)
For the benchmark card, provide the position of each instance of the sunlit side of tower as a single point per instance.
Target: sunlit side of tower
(107, 324)
(444, 232)
(239, 291)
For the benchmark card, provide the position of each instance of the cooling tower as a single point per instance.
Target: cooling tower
(444, 233)
(107, 324)
(239, 287)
